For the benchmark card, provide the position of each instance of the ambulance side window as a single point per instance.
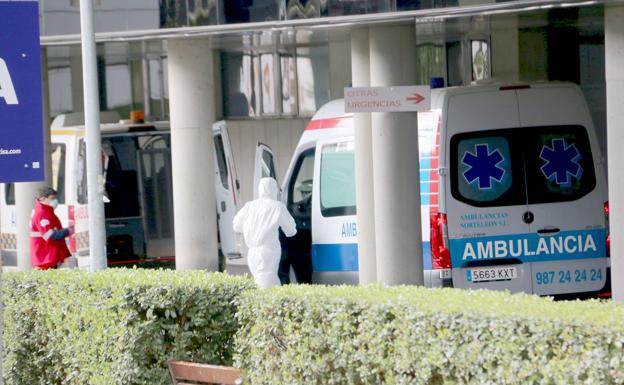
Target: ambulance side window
(337, 182)
(268, 166)
(486, 169)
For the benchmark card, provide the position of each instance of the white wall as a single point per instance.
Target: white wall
(281, 135)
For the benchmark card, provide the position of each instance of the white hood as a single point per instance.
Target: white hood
(267, 189)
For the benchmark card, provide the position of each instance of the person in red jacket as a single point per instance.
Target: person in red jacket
(47, 235)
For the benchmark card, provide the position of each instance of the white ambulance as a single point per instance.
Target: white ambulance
(513, 191)
(136, 160)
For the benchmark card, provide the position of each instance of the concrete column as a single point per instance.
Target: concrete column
(614, 52)
(75, 69)
(360, 68)
(505, 45)
(25, 193)
(395, 162)
(192, 106)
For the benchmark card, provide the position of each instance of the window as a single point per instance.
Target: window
(58, 170)
(118, 86)
(528, 165)
(221, 162)
(484, 170)
(9, 194)
(267, 63)
(241, 84)
(289, 85)
(268, 84)
(158, 202)
(121, 177)
(559, 164)
(338, 179)
(300, 187)
(60, 90)
(312, 78)
(155, 158)
(268, 167)
(480, 60)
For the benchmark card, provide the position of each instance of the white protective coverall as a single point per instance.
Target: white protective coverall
(259, 221)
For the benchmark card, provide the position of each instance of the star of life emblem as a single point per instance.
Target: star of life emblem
(483, 166)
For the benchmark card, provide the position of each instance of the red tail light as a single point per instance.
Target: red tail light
(606, 214)
(441, 256)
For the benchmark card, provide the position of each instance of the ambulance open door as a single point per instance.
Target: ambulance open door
(226, 192)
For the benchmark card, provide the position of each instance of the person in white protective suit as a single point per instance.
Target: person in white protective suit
(259, 221)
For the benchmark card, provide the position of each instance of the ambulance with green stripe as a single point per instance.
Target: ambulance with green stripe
(513, 191)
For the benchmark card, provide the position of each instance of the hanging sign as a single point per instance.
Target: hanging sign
(387, 99)
(21, 124)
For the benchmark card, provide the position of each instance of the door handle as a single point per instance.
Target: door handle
(223, 206)
(549, 230)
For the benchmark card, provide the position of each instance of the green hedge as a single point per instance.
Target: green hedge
(115, 327)
(375, 335)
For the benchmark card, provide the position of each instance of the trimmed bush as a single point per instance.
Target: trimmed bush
(115, 327)
(406, 335)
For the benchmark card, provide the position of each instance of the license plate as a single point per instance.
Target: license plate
(492, 274)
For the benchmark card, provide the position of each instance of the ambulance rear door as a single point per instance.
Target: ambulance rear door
(566, 191)
(486, 193)
(226, 191)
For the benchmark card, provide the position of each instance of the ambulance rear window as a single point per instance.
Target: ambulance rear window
(525, 165)
(337, 179)
(559, 165)
(485, 169)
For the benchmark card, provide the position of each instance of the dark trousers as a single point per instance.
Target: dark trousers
(296, 253)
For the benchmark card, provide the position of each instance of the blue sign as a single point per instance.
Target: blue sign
(530, 247)
(561, 162)
(21, 125)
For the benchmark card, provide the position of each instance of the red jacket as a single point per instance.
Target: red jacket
(46, 252)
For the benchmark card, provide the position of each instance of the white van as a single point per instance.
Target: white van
(138, 187)
(513, 191)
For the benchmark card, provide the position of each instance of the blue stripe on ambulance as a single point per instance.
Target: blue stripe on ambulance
(344, 257)
(425, 178)
(531, 247)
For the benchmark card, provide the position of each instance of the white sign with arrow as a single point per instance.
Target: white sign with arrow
(387, 99)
